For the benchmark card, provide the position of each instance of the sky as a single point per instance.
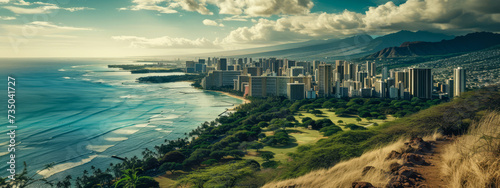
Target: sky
(124, 28)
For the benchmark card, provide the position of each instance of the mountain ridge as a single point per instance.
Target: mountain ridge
(467, 43)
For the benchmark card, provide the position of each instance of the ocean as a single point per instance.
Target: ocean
(77, 113)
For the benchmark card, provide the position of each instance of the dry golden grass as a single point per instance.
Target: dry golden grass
(345, 173)
(473, 160)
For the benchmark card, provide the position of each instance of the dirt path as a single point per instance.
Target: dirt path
(432, 173)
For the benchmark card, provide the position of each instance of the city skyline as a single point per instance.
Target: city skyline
(166, 27)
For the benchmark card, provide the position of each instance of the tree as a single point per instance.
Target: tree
(171, 166)
(22, 179)
(340, 121)
(290, 118)
(358, 119)
(257, 146)
(130, 179)
(218, 176)
(267, 156)
(369, 119)
(316, 112)
(340, 112)
(382, 117)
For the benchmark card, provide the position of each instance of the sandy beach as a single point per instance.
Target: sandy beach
(245, 101)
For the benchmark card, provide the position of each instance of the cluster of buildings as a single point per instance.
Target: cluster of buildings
(299, 80)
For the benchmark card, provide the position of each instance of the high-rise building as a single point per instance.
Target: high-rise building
(253, 71)
(217, 79)
(370, 68)
(450, 89)
(315, 64)
(385, 73)
(222, 64)
(296, 71)
(459, 78)
(421, 83)
(402, 77)
(325, 79)
(381, 89)
(349, 71)
(295, 91)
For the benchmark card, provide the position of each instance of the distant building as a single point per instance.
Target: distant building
(393, 92)
(385, 73)
(459, 78)
(295, 91)
(222, 64)
(451, 84)
(421, 83)
(311, 94)
(402, 77)
(262, 86)
(325, 79)
(190, 66)
(370, 68)
(296, 71)
(253, 71)
(217, 79)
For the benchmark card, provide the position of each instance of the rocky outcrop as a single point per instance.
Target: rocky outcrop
(362, 185)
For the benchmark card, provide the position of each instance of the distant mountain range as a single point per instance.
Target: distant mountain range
(348, 48)
(460, 44)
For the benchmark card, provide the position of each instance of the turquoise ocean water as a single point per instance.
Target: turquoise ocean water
(78, 113)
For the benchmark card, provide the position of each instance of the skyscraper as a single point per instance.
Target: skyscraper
(370, 68)
(385, 73)
(421, 83)
(459, 78)
(451, 84)
(222, 64)
(325, 79)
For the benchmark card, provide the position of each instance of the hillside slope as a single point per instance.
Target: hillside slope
(452, 118)
(467, 43)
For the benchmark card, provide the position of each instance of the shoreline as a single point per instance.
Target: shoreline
(245, 101)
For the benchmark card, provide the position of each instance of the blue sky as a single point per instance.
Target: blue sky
(117, 28)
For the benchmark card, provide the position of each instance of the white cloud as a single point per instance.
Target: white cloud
(45, 8)
(168, 6)
(165, 42)
(150, 5)
(255, 8)
(237, 18)
(48, 25)
(192, 5)
(212, 23)
(7, 18)
(431, 15)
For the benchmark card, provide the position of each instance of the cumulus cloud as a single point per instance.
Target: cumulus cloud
(165, 42)
(192, 5)
(254, 8)
(431, 15)
(168, 6)
(212, 23)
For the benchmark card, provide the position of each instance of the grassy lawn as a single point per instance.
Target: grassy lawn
(301, 135)
(346, 120)
(168, 179)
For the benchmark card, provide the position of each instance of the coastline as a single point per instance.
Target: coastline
(245, 100)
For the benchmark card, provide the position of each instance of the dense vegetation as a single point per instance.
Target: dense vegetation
(138, 71)
(174, 78)
(213, 157)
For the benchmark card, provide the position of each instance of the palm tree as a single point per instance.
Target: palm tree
(130, 178)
